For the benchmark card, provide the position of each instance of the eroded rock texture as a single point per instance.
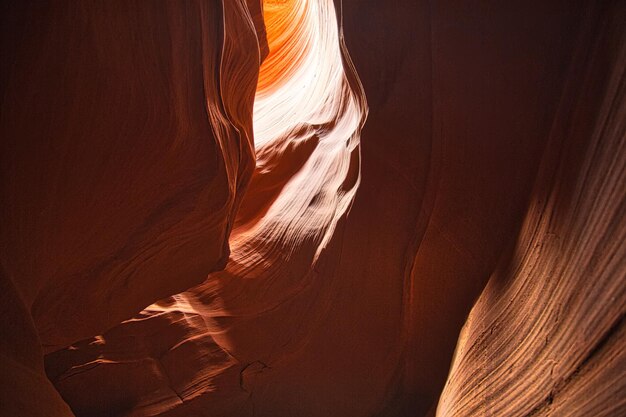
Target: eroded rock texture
(474, 201)
(547, 335)
(125, 153)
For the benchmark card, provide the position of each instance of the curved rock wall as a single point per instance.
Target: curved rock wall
(483, 197)
(481, 85)
(262, 310)
(126, 148)
(547, 335)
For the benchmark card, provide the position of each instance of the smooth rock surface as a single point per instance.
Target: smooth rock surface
(127, 145)
(314, 208)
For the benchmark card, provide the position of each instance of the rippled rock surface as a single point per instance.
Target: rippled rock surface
(313, 208)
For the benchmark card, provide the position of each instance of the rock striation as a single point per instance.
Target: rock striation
(313, 207)
(125, 154)
(547, 335)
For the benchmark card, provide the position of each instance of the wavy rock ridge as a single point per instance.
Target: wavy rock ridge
(307, 120)
(198, 220)
(110, 114)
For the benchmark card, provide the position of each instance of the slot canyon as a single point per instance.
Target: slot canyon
(313, 208)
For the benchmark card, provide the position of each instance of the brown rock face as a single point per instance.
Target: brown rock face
(313, 208)
(547, 334)
(125, 153)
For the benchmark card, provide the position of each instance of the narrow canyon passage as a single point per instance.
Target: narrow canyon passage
(313, 208)
(261, 311)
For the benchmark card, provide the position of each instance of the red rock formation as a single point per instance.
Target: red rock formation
(490, 178)
(125, 152)
(547, 335)
(260, 312)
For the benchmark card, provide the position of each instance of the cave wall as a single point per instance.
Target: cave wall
(125, 153)
(489, 204)
(491, 80)
(546, 336)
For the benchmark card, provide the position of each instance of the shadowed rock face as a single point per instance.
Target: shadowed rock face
(198, 220)
(125, 153)
(546, 336)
